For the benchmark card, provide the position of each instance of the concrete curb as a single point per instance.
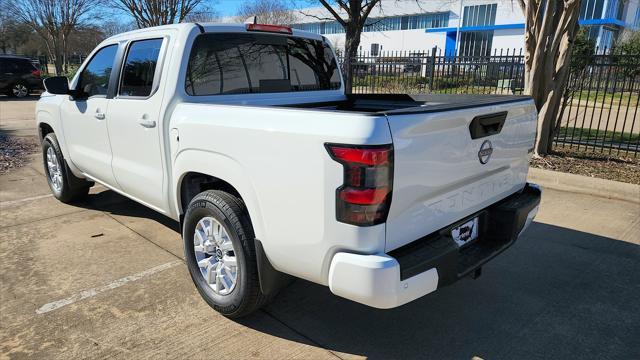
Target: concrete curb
(585, 185)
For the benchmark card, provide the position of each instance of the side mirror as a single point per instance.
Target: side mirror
(57, 85)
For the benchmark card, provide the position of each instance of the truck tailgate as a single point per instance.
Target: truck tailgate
(443, 168)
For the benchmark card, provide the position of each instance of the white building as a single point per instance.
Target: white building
(469, 27)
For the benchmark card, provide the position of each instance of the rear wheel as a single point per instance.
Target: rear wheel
(220, 253)
(19, 90)
(63, 184)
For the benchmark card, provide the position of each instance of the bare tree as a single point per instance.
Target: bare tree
(551, 27)
(113, 27)
(148, 13)
(352, 15)
(203, 15)
(13, 34)
(273, 12)
(53, 21)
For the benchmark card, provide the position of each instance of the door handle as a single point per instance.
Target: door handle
(99, 116)
(147, 123)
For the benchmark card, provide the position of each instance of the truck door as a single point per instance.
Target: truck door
(134, 125)
(84, 118)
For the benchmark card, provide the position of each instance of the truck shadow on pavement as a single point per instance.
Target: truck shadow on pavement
(557, 293)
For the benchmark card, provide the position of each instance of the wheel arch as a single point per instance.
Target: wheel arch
(44, 129)
(198, 170)
(47, 122)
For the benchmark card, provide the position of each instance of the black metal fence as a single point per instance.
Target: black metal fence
(435, 71)
(600, 111)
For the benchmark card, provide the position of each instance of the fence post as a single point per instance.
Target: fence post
(432, 68)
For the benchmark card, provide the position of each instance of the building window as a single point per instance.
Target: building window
(477, 43)
(614, 10)
(595, 9)
(391, 23)
(479, 15)
(375, 49)
(408, 22)
(607, 38)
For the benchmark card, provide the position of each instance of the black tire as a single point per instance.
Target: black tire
(73, 188)
(231, 212)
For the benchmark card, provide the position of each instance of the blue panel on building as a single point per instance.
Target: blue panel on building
(450, 44)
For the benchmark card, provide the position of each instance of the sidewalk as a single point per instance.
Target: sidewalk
(585, 185)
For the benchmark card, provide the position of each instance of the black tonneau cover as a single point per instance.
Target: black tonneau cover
(395, 104)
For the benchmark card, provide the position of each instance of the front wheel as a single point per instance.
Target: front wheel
(63, 184)
(220, 253)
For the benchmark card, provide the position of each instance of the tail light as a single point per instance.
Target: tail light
(35, 72)
(270, 28)
(365, 195)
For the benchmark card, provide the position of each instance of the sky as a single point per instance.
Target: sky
(229, 7)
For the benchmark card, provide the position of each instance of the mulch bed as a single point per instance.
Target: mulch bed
(14, 151)
(604, 166)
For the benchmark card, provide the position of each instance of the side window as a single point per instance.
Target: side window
(9, 66)
(25, 66)
(94, 79)
(140, 67)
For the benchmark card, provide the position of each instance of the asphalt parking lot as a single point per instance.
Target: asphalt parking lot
(105, 278)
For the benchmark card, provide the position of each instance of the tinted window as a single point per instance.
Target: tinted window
(259, 63)
(140, 67)
(25, 66)
(16, 65)
(6, 65)
(94, 79)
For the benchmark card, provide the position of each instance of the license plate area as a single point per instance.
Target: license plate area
(466, 232)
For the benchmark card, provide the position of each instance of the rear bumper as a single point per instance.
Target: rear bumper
(416, 269)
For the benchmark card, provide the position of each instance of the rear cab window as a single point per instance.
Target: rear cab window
(238, 63)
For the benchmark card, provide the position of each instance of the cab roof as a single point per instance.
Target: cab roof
(208, 28)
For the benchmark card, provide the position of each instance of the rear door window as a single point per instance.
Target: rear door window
(25, 66)
(140, 68)
(259, 63)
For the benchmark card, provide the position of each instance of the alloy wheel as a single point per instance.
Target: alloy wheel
(215, 255)
(19, 90)
(55, 171)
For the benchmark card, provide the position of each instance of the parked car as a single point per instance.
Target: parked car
(244, 134)
(18, 76)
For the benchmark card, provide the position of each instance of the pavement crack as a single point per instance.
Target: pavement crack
(315, 343)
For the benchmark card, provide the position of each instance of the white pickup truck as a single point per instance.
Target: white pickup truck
(245, 135)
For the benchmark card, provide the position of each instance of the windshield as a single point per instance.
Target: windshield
(232, 63)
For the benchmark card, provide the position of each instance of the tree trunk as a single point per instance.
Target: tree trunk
(351, 45)
(548, 45)
(56, 54)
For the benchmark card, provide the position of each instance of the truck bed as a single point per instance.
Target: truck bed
(396, 104)
(447, 166)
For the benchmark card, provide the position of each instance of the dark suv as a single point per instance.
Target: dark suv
(18, 76)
